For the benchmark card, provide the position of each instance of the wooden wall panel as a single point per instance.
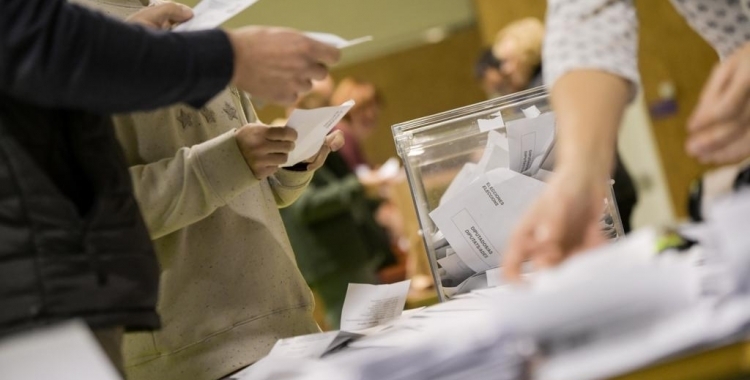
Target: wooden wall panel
(670, 51)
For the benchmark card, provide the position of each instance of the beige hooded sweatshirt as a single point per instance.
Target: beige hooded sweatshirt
(230, 286)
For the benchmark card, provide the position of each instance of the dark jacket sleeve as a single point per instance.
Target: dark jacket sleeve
(55, 54)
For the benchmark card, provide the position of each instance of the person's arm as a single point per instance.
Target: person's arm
(590, 63)
(288, 185)
(176, 192)
(57, 54)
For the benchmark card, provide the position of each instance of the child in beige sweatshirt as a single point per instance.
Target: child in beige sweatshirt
(230, 286)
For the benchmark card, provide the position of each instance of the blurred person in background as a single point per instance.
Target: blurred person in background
(332, 226)
(209, 186)
(513, 64)
(73, 242)
(591, 62)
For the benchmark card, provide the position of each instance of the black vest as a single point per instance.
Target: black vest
(72, 242)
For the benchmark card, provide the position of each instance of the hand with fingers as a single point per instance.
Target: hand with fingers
(562, 222)
(278, 64)
(163, 15)
(333, 143)
(265, 148)
(719, 128)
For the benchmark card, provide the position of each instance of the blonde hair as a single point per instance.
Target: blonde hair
(528, 34)
(359, 91)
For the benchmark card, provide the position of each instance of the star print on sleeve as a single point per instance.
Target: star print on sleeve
(186, 119)
(230, 111)
(208, 114)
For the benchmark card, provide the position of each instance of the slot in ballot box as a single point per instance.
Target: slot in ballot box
(472, 172)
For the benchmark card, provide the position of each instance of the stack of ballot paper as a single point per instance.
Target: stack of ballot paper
(486, 199)
(482, 204)
(602, 313)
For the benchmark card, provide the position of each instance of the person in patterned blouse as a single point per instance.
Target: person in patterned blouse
(591, 67)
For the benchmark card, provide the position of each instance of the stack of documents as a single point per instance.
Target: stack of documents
(481, 206)
(600, 314)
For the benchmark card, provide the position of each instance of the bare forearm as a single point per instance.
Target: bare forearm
(589, 105)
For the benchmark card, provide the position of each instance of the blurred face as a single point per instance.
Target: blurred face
(364, 118)
(515, 70)
(495, 83)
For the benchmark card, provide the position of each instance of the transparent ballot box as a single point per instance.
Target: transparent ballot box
(472, 172)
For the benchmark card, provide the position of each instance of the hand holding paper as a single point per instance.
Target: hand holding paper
(209, 14)
(312, 126)
(264, 148)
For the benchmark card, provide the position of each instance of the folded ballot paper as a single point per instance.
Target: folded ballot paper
(480, 207)
(312, 126)
(478, 221)
(367, 310)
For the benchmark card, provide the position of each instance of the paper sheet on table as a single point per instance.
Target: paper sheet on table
(478, 222)
(209, 14)
(312, 126)
(368, 305)
(529, 140)
(311, 346)
(336, 41)
(67, 351)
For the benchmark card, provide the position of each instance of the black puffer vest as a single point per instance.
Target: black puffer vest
(72, 242)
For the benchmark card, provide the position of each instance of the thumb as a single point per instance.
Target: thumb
(335, 141)
(172, 13)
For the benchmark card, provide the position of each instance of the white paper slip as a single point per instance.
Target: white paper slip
(460, 181)
(455, 269)
(531, 112)
(495, 153)
(494, 277)
(368, 305)
(67, 351)
(494, 122)
(311, 346)
(478, 221)
(209, 14)
(529, 140)
(336, 41)
(312, 126)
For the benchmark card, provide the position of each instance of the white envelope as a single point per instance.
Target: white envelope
(478, 222)
(312, 126)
